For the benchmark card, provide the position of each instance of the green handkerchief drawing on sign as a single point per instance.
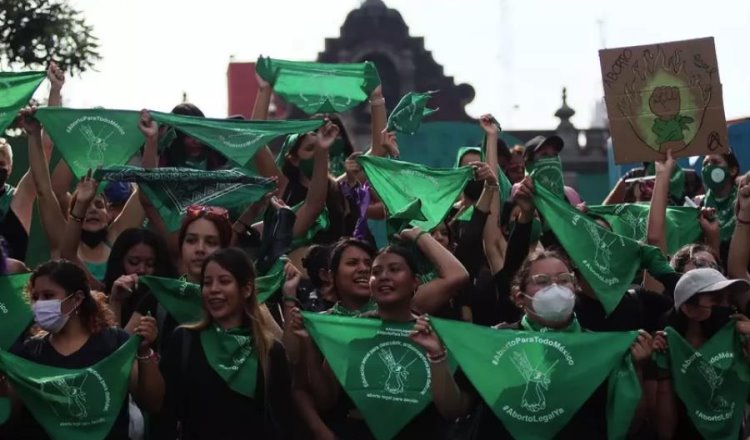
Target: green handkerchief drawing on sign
(665, 96)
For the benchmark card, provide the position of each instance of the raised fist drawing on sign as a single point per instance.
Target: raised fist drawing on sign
(665, 102)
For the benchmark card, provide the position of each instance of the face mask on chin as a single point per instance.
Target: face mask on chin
(554, 304)
(3, 176)
(92, 239)
(473, 189)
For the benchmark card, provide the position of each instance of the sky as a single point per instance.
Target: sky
(517, 54)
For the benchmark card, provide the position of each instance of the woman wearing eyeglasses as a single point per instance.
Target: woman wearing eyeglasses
(543, 290)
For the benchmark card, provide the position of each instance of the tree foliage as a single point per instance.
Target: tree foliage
(35, 32)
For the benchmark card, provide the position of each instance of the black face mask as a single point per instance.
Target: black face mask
(93, 238)
(473, 189)
(718, 319)
(3, 176)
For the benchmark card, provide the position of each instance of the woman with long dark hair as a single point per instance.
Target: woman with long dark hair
(77, 332)
(227, 376)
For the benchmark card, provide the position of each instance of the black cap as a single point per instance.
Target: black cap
(538, 142)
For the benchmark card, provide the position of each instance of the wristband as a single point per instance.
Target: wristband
(439, 358)
(377, 102)
(150, 356)
(487, 185)
(288, 299)
(739, 220)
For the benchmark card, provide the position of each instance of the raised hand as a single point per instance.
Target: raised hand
(665, 102)
(709, 223)
(296, 324)
(484, 172)
(659, 343)
(525, 195)
(147, 330)
(409, 234)
(147, 125)
(56, 76)
(31, 124)
(377, 93)
(642, 347)
(665, 166)
(327, 134)
(354, 172)
(86, 189)
(425, 337)
(488, 124)
(262, 83)
(390, 143)
(123, 287)
(292, 278)
(742, 209)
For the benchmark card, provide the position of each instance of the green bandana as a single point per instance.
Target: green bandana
(631, 220)
(181, 299)
(409, 112)
(676, 181)
(173, 190)
(536, 382)
(387, 376)
(319, 87)
(336, 157)
(17, 89)
(724, 211)
(414, 194)
(79, 404)
(232, 356)
(466, 214)
(15, 312)
(15, 317)
(711, 382)
(166, 138)
(462, 151)
(547, 172)
(339, 310)
(671, 130)
(606, 260)
(238, 140)
(271, 282)
(92, 138)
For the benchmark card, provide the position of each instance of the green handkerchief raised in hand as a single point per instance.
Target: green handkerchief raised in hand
(408, 114)
(92, 138)
(16, 89)
(320, 87)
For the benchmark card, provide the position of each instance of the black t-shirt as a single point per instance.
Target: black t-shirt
(202, 404)
(39, 350)
(638, 309)
(15, 236)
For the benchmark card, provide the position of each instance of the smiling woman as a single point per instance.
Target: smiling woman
(227, 374)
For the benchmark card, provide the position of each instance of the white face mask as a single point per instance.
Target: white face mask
(554, 303)
(48, 315)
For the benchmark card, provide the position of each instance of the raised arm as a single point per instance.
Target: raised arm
(317, 191)
(22, 203)
(494, 240)
(264, 160)
(739, 249)
(52, 218)
(378, 120)
(656, 234)
(451, 274)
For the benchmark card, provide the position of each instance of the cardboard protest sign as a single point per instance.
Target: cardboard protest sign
(664, 96)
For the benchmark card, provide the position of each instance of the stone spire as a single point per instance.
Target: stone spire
(565, 112)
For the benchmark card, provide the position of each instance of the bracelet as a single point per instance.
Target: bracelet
(420, 235)
(439, 358)
(739, 220)
(377, 102)
(151, 355)
(495, 186)
(76, 218)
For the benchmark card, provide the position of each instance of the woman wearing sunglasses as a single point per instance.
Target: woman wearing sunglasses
(543, 290)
